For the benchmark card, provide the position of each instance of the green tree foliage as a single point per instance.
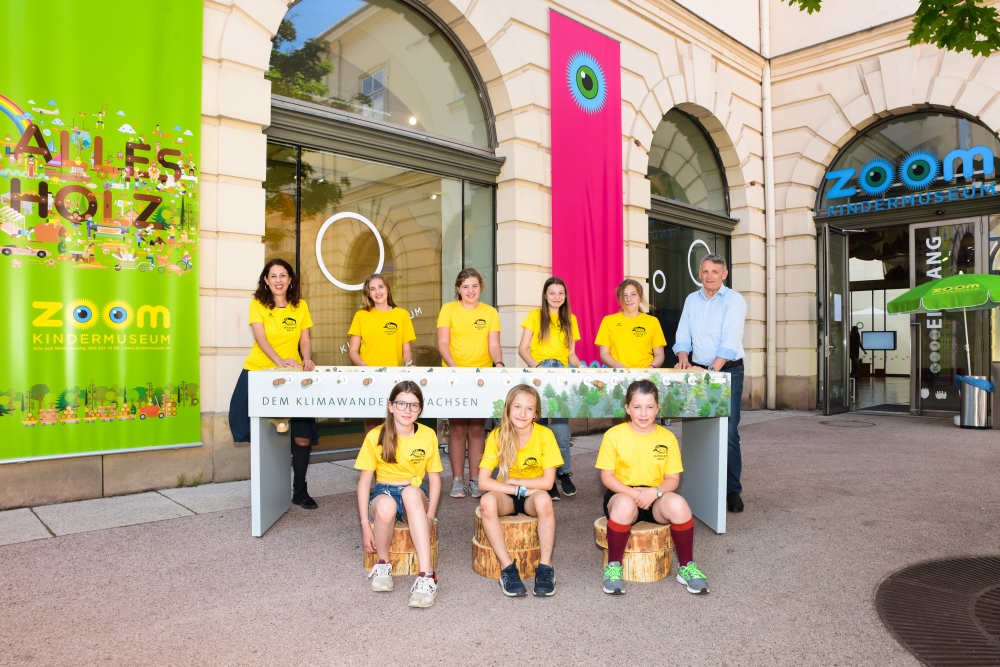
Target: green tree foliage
(140, 393)
(298, 72)
(593, 397)
(497, 409)
(953, 25)
(101, 394)
(584, 411)
(705, 410)
(618, 393)
(549, 392)
(38, 393)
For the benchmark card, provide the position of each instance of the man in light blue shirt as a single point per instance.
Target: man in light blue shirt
(710, 335)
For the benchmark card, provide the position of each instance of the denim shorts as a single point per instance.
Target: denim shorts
(394, 492)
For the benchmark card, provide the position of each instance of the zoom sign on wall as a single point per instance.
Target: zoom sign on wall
(931, 180)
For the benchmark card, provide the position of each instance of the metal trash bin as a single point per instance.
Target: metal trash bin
(974, 403)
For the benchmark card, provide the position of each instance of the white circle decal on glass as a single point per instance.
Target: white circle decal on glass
(319, 248)
(663, 286)
(690, 250)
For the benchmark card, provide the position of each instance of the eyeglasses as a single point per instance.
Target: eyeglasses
(403, 406)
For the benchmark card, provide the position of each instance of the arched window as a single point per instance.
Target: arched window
(379, 59)
(916, 153)
(683, 164)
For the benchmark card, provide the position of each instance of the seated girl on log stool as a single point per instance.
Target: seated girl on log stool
(527, 455)
(398, 453)
(640, 465)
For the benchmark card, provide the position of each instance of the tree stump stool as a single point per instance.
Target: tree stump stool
(520, 534)
(648, 553)
(402, 553)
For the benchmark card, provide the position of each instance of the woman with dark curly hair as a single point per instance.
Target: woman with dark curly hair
(280, 321)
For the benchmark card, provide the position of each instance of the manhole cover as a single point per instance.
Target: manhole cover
(945, 612)
(847, 423)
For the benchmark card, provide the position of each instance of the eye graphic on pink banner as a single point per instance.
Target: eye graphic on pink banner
(587, 239)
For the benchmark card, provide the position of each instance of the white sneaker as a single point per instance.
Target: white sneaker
(423, 592)
(381, 576)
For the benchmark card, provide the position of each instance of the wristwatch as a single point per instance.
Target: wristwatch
(659, 494)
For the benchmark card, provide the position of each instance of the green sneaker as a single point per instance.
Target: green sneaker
(613, 584)
(691, 576)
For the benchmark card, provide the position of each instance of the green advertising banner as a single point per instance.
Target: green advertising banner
(100, 121)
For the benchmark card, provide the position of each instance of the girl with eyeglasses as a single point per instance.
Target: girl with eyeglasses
(398, 454)
(381, 332)
(527, 456)
(631, 338)
(640, 464)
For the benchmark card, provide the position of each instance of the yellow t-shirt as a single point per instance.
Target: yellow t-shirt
(553, 347)
(540, 452)
(639, 460)
(283, 327)
(631, 339)
(415, 455)
(382, 335)
(470, 330)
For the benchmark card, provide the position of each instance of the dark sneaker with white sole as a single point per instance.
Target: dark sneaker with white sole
(568, 487)
(545, 581)
(510, 582)
(613, 584)
(691, 576)
(554, 492)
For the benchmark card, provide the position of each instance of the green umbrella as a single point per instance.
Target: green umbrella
(966, 291)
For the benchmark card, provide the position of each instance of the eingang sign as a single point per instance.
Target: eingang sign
(917, 172)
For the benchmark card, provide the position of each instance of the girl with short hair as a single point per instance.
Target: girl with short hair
(468, 335)
(526, 455)
(631, 338)
(640, 464)
(549, 341)
(280, 321)
(381, 332)
(398, 454)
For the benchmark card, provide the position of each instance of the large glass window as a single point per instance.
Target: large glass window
(381, 59)
(675, 255)
(683, 165)
(907, 155)
(422, 229)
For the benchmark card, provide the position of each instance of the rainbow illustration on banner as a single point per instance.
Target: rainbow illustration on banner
(14, 112)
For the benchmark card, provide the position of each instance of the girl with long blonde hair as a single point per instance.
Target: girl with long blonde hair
(526, 455)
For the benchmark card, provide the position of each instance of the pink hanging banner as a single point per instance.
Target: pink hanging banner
(587, 239)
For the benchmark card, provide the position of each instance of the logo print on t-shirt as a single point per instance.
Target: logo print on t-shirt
(638, 332)
(390, 328)
(660, 452)
(530, 462)
(480, 324)
(289, 323)
(417, 456)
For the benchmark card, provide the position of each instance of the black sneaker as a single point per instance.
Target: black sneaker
(304, 500)
(554, 493)
(545, 581)
(510, 582)
(569, 488)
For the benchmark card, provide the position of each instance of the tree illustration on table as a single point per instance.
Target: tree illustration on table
(38, 393)
(140, 394)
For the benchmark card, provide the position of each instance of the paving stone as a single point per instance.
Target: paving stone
(21, 526)
(212, 497)
(327, 479)
(101, 513)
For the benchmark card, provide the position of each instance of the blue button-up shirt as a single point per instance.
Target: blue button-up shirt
(712, 328)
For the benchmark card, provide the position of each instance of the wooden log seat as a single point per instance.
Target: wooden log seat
(520, 534)
(402, 553)
(648, 554)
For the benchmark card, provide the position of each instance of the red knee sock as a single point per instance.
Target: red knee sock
(683, 536)
(618, 534)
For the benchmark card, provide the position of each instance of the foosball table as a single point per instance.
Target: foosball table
(700, 398)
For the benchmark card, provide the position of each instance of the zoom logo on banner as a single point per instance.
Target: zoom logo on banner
(917, 171)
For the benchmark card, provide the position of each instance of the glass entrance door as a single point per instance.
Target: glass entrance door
(835, 309)
(938, 250)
